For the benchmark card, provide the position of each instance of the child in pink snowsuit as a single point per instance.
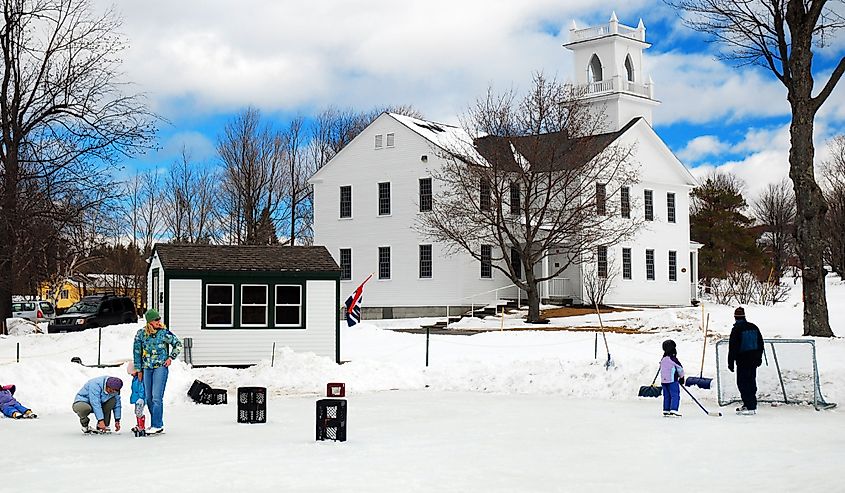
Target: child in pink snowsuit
(671, 377)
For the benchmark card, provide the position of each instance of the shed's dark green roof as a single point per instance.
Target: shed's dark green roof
(243, 258)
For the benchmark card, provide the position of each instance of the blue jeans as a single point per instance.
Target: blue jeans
(671, 396)
(12, 408)
(155, 379)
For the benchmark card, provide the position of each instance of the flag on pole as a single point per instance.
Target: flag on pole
(353, 305)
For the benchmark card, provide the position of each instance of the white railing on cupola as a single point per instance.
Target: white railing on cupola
(612, 27)
(619, 84)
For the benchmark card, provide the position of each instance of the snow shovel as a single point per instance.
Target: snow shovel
(609, 363)
(651, 390)
(715, 414)
(700, 381)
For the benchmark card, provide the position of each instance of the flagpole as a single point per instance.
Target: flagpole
(361, 316)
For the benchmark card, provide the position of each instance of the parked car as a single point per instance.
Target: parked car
(95, 311)
(34, 310)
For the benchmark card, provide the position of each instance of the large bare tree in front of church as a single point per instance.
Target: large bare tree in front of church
(535, 174)
(780, 35)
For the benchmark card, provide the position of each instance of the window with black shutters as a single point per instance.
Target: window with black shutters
(384, 199)
(384, 262)
(601, 199)
(253, 305)
(346, 201)
(288, 305)
(345, 264)
(516, 198)
(219, 305)
(425, 194)
(670, 207)
(649, 265)
(648, 196)
(626, 263)
(625, 206)
(484, 199)
(425, 261)
(486, 261)
(673, 266)
(516, 261)
(602, 262)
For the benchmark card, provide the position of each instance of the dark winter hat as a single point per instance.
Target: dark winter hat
(669, 346)
(114, 383)
(151, 315)
(739, 312)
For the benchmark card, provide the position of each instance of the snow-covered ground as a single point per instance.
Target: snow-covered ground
(509, 410)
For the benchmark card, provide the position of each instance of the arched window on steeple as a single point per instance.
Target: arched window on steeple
(629, 69)
(594, 73)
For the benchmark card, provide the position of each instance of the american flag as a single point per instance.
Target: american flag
(353, 305)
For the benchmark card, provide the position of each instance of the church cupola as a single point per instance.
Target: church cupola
(609, 68)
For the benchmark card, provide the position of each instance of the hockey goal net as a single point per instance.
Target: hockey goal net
(789, 374)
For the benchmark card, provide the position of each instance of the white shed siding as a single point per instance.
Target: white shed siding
(249, 346)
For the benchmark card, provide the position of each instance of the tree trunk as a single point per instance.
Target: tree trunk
(533, 299)
(809, 221)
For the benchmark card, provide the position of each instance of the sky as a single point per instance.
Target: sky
(201, 61)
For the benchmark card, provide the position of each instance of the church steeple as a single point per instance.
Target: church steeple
(609, 68)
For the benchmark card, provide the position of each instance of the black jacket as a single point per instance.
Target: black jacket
(746, 343)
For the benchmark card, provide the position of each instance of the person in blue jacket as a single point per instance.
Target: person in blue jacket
(101, 396)
(154, 350)
(137, 399)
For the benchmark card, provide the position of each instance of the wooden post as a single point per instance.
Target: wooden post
(99, 343)
(427, 336)
(273, 357)
(18, 353)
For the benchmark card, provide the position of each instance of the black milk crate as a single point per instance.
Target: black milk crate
(215, 397)
(252, 405)
(331, 419)
(197, 390)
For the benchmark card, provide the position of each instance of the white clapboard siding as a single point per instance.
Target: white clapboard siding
(249, 346)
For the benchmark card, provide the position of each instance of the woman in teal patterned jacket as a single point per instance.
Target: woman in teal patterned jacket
(155, 348)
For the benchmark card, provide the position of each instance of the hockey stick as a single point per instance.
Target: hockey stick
(715, 414)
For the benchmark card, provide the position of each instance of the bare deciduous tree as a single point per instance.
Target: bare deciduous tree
(63, 110)
(188, 201)
(775, 209)
(779, 35)
(834, 187)
(534, 175)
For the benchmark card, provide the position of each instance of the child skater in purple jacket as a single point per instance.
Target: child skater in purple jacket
(672, 377)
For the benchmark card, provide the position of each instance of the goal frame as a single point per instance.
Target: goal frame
(770, 357)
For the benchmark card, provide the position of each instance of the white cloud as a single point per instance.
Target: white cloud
(701, 147)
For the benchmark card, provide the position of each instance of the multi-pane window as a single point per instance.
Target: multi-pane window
(345, 264)
(219, 305)
(391, 138)
(625, 206)
(516, 262)
(602, 262)
(626, 263)
(673, 265)
(486, 261)
(384, 199)
(384, 262)
(516, 198)
(288, 305)
(379, 141)
(425, 261)
(484, 200)
(253, 305)
(670, 207)
(601, 199)
(649, 265)
(425, 194)
(648, 197)
(346, 201)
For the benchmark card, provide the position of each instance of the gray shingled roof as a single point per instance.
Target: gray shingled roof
(243, 258)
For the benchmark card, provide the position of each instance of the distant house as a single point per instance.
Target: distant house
(368, 197)
(234, 302)
(73, 289)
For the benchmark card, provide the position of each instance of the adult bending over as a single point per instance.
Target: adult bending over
(101, 396)
(154, 349)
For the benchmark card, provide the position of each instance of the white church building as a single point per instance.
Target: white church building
(368, 198)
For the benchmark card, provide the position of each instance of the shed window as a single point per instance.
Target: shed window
(219, 305)
(379, 141)
(391, 138)
(288, 305)
(253, 305)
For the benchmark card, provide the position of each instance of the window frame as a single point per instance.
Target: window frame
(485, 195)
(428, 198)
(384, 198)
(382, 249)
(421, 265)
(379, 141)
(625, 202)
(627, 264)
(515, 198)
(231, 306)
(670, 207)
(390, 139)
(276, 304)
(673, 266)
(601, 199)
(341, 251)
(649, 264)
(601, 262)
(340, 212)
(648, 204)
(488, 263)
(516, 262)
(266, 306)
